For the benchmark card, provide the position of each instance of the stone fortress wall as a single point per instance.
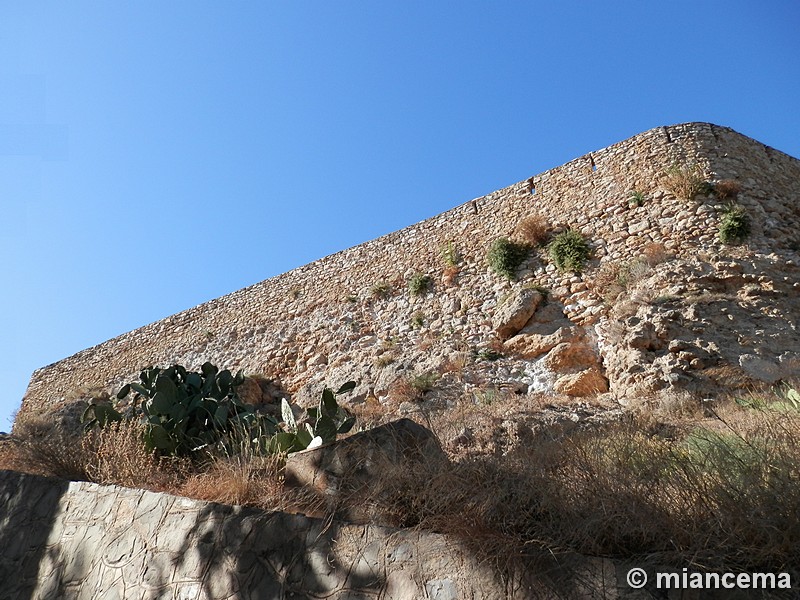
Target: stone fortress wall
(307, 325)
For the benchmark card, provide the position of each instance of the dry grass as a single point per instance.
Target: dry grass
(684, 181)
(251, 480)
(727, 189)
(718, 497)
(116, 455)
(40, 447)
(606, 282)
(661, 486)
(450, 275)
(401, 390)
(533, 230)
(655, 253)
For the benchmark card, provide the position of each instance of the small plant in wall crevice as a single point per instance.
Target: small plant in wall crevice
(686, 181)
(734, 226)
(505, 257)
(635, 198)
(419, 284)
(569, 251)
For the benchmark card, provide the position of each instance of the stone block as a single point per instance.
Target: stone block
(516, 312)
(354, 463)
(584, 383)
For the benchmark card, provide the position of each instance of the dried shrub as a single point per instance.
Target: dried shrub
(42, 447)
(450, 275)
(116, 454)
(401, 390)
(606, 282)
(685, 181)
(727, 189)
(411, 388)
(455, 363)
(533, 230)
(655, 253)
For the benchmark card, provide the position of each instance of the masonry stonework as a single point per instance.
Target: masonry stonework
(322, 323)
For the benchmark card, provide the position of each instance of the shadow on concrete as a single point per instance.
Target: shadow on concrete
(257, 555)
(29, 506)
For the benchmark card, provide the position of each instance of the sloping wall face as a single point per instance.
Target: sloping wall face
(324, 322)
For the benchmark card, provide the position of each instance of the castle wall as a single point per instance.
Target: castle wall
(305, 325)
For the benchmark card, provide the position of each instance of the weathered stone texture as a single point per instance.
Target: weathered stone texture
(323, 323)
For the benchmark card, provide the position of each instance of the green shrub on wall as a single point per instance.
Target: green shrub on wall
(569, 251)
(419, 284)
(505, 257)
(734, 226)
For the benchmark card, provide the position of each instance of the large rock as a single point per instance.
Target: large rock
(584, 383)
(347, 468)
(760, 368)
(532, 345)
(567, 357)
(515, 312)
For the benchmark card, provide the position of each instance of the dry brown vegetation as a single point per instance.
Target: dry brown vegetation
(533, 230)
(684, 181)
(727, 189)
(668, 483)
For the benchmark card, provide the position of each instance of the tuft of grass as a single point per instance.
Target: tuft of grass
(569, 251)
(381, 290)
(734, 226)
(450, 254)
(635, 198)
(505, 257)
(685, 181)
(419, 284)
(424, 382)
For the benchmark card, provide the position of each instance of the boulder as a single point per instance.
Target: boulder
(515, 312)
(347, 468)
(585, 383)
(533, 345)
(567, 357)
(760, 368)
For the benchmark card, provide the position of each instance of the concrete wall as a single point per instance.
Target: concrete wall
(303, 325)
(77, 540)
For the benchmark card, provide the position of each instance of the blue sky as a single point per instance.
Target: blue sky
(155, 155)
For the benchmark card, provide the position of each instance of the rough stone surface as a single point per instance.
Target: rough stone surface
(516, 312)
(351, 316)
(583, 383)
(350, 465)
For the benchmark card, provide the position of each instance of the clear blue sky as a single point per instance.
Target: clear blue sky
(155, 155)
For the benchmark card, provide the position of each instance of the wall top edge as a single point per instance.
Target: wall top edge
(687, 129)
